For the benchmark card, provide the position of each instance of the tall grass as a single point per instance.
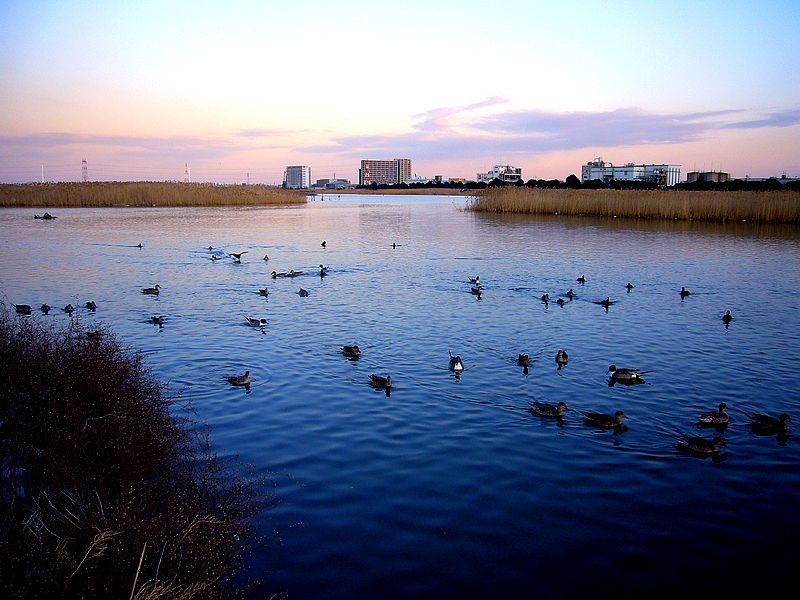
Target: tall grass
(126, 193)
(759, 207)
(105, 493)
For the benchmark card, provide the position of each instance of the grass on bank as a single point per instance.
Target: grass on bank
(127, 193)
(104, 492)
(757, 207)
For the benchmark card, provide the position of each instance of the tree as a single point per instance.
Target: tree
(573, 182)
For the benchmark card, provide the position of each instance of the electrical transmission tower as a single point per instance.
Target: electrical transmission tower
(84, 171)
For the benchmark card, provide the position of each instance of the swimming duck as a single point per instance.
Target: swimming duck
(543, 409)
(700, 445)
(303, 293)
(91, 305)
(570, 294)
(766, 425)
(45, 308)
(210, 248)
(157, 320)
(545, 298)
(214, 258)
(560, 302)
(237, 256)
(727, 317)
(239, 379)
(380, 382)
(603, 420)
(323, 271)
(293, 273)
(581, 279)
(264, 292)
(626, 375)
(476, 279)
(629, 287)
(606, 303)
(276, 274)
(561, 358)
(69, 308)
(23, 309)
(255, 322)
(153, 291)
(523, 360)
(685, 292)
(352, 351)
(266, 257)
(324, 243)
(139, 245)
(456, 364)
(476, 290)
(715, 418)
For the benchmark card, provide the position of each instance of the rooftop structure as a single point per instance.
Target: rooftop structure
(663, 175)
(505, 173)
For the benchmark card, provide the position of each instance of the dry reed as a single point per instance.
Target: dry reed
(146, 193)
(756, 207)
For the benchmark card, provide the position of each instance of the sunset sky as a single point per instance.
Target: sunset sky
(140, 89)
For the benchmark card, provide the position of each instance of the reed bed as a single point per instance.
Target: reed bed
(146, 193)
(756, 207)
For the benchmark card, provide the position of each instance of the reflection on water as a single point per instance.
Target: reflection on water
(449, 482)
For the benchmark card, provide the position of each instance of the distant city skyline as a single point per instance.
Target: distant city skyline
(141, 90)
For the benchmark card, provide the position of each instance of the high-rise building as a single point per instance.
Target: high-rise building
(297, 177)
(397, 170)
(505, 173)
(663, 175)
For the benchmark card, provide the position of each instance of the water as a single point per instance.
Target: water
(449, 486)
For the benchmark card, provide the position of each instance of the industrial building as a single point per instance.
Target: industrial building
(505, 173)
(663, 175)
(397, 170)
(332, 184)
(297, 177)
(711, 176)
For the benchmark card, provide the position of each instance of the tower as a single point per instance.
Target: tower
(187, 173)
(84, 171)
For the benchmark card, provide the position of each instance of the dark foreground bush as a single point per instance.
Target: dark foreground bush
(104, 492)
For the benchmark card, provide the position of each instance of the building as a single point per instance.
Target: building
(505, 173)
(397, 170)
(332, 184)
(297, 177)
(712, 176)
(663, 175)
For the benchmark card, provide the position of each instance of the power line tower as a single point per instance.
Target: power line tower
(84, 171)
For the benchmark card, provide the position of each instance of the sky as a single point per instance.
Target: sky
(239, 90)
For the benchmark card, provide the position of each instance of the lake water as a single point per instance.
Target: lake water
(449, 487)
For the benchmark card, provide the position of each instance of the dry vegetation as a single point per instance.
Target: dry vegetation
(757, 207)
(126, 193)
(104, 492)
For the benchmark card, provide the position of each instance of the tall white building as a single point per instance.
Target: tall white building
(397, 170)
(297, 177)
(505, 173)
(663, 175)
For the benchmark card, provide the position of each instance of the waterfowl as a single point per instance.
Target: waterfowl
(560, 302)
(293, 273)
(685, 292)
(764, 424)
(157, 320)
(276, 274)
(255, 322)
(603, 420)
(456, 364)
(626, 375)
(237, 256)
(324, 243)
(45, 308)
(700, 445)
(476, 290)
(715, 418)
(214, 258)
(23, 309)
(380, 382)
(543, 409)
(727, 317)
(264, 292)
(46, 216)
(210, 248)
(266, 257)
(561, 358)
(581, 279)
(545, 298)
(139, 245)
(91, 305)
(153, 291)
(523, 360)
(476, 279)
(570, 294)
(607, 302)
(69, 308)
(629, 287)
(323, 271)
(303, 293)
(352, 351)
(239, 379)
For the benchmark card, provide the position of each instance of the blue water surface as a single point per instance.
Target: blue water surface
(449, 486)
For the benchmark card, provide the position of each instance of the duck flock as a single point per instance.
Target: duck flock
(760, 424)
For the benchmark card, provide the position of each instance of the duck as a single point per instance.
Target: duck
(214, 258)
(23, 309)
(157, 320)
(293, 273)
(275, 274)
(239, 379)
(237, 256)
(581, 279)
(561, 358)
(606, 303)
(266, 257)
(139, 245)
(153, 291)
(475, 280)
(699, 445)
(476, 291)
(69, 308)
(379, 381)
(255, 322)
(561, 302)
(352, 351)
(764, 424)
(45, 308)
(570, 293)
(324, 243)
(543, 409)
(323, 271)
(545, 298)
(603, 420)
(91, 305)
(524, 360)
(685, 292)
(303, 293)
(715, 418)
(629, 287)
(210, 248)
(727, 317)
(263, 292)
(626, 375)
(456, 364)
